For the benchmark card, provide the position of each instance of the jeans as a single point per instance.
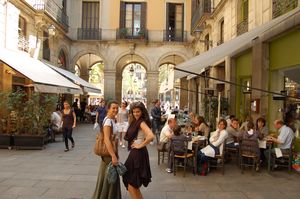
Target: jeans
(155, 129)
(67, 133)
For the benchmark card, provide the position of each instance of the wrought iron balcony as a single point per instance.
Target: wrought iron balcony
(89, 34)
(23, 43)
(203, 10)
(53, 10)
(281, 7)
(176, 36)
(242, 27)
(123, 33)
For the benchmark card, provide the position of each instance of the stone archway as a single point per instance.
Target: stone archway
(168, 93)
(124, 61)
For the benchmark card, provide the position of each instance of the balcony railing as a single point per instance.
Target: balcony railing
(242, 27)
(203, 9)
(175, 36)
(23, 43)
(89, 34)
(123, 33)
(281, 7)
(53, 10)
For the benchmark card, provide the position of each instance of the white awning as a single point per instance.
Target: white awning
(45, 79)
(87, 87)
(229, 48)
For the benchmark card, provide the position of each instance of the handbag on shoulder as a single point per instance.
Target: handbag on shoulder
(100, 147)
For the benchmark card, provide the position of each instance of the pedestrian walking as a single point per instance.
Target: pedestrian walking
(68, 123)
(105, 190)
(156, 119)
(138, 135)
(101, 113)
(122, 119)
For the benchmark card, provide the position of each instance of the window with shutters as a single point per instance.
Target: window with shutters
(90, 21)
(133, 19)
(207, 42)
(221, 32)
(175, 23)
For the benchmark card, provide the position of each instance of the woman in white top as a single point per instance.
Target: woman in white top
(216, 144)
(138, 136)
(122, 119)
(105, 190)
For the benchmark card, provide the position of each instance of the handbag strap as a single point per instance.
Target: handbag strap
(111, 127)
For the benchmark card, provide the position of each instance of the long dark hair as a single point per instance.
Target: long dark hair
(145, 115)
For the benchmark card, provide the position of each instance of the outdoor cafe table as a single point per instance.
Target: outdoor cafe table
(197, 143)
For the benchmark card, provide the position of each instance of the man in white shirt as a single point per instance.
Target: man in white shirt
(284, 140)
(167, 132)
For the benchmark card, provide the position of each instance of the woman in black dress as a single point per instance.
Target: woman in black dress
(68, 124)
(138, 136)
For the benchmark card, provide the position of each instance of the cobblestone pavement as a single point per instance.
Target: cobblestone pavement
(54, 174)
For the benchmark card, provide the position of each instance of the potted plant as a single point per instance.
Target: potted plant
(142, 34)
(37, 114)
(123, 33)
(26, 116)
(6, 139)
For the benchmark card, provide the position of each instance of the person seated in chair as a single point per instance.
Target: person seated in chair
(178, 146)
(166, 134)
(284, 140)
(233, 133)
(251, 146)
(216, 144)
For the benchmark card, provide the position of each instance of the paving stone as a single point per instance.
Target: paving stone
(54, 174)
(189, 195)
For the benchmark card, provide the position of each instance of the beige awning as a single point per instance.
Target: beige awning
(87, 87)
(232, 47)
(45, 79)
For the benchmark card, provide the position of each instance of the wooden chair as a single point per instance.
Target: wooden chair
(162, 153)
(248, 156)
(184, 155)
(286, 159)
(219, 160)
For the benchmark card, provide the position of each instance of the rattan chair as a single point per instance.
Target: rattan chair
(248, 156)
(219, 160)
(184, 155)
(286, 159)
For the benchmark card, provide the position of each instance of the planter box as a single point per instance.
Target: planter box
(29, 141)
(6, 141)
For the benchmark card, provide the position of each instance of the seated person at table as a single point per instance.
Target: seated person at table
(246, 138)
(165, 134)
(284, 140)
(261, 126)
(178, 142)
(189, 129)
(200, 126)
(216, 142)
(233, 133)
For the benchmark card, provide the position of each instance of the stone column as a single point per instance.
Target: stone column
(109, 84)
(232, 88)
(183, 93)
(152, 87)
(259, 77)
(118, 86)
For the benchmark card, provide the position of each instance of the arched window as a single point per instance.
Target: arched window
(61, 62)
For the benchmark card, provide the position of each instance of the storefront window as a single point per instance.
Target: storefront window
(292, 103)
